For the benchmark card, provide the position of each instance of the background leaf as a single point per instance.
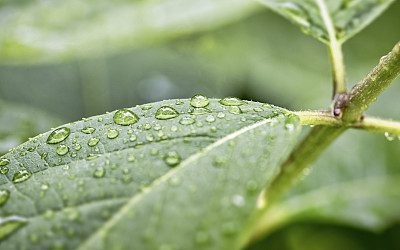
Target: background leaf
(347, 16)
(59, 194)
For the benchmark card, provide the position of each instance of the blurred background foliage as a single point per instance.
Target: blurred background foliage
(64, 60)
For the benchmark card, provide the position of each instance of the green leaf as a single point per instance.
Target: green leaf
(60, 30)
(187, 180)
(329, 20)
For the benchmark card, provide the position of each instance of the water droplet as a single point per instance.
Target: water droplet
(146, 107)
(4, 195)
(199, 101)
(44, 186)
(258, 109)
(93, 141)
(99, 172)
(235, 110)
(4, 169)
(172, 158)
(221, 115)
(112, 133)
(44, 155)
(166, 112)
(154, 151)
(267, 105)
(213, 129)
(199, 111)
(210, 118)
(77, 146)
(389, 136)
(125, 117)
(21, 175)
(174, 128)
(62, 149)
(10, 224)
(100, 119)
(31, 149)
(91, 157)
(58, 135)
(186, 121)
(147, 126)
(133, 138)
(178, 102)
(4, 161)
(238, 200)
(150, 137)
(243, 119)
(49, 214)
(231, 101)
(88, 130)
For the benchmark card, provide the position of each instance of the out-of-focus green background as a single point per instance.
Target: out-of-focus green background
(221, 49)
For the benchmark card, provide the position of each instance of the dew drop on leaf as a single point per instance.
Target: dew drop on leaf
(186, 121)
(4, 169)
(88, 130)
(133, 138)
(125, 117)
(166, 112)
(146, 107)
(93, 141)
(235, 110)
(389, 136)
(62, 149)
(258, 109)
(4, 195)
(58, 135)
(238, 200)
(220, 115)
(210, 118)
(172, 158)
(77, 146)
(199, 101)
(232, 101)
(99, 172)
(10, 224)
(21, 175)
(112, 133)
(4, 161)
(147, 126)
(199, 111)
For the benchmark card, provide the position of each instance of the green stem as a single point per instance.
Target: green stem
(318, 118)
(377, 125)
(368, 90)
(335, 53)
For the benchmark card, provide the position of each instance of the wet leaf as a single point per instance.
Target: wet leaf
(157, 183)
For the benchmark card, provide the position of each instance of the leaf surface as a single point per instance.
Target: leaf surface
(329, 19)
(187, 180)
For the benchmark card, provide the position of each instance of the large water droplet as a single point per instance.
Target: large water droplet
(172, 158)
(10, 224)
(88, 130)
(166, 112)
(58, 135)
(4, 195)
(199, 101)
(62, 149)
(186, 121)
(231, 101)
(4, 161)
(21, 175)
(112, 133)
(99, 172)
(125, 117)
(93, 141)
(235, 110)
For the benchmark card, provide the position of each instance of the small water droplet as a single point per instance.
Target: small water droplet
(150, 137)
(133, 138)
(62, 149)
(232, 101)
(100, 119)
(58, 135)
(4, 195)
(88, 130)
(210, 118)
(267, 105)
(251, 186)
(21, 175)
(199, 101)
(186, 121)
(44, 155)
(4, 161)
(31, 149)
(220, 115)
(389, 136)
(125, 117)
(10, 224)
(77, 146)
(213, 129)
(112, 133)
(93, 141)
(174, 128)
(238, 200)
(146, 107)
(157, 127)
(147, 126)
(166, 112)
(172, 158)
(199, 111)
(154, 151)
(178, 102)
(258, 109)
(4, 169)
(44, 186)
(99, 172)
(235, 110)
(91, 157)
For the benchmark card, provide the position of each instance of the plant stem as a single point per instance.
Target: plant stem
(368, 90)
(376, 125)
(335, 53)
(318, 118)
